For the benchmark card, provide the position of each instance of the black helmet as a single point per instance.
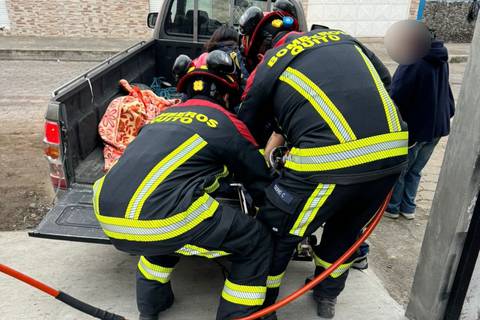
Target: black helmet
(249, 20)
(286, 6)
(256, 28)
(180, 66)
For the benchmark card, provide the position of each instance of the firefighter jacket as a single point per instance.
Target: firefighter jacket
(326, 93)
(161, 192)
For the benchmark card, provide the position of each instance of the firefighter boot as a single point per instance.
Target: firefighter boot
(326, 307)
(153, 298)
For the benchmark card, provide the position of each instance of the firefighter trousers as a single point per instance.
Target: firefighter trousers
(246, 243)
(343, 209)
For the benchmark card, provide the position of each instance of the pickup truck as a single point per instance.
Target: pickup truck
(73, 146)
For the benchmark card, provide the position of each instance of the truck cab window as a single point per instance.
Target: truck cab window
(211, 15)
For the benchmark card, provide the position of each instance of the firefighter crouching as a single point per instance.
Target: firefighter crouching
(325, 93)
(159, 202)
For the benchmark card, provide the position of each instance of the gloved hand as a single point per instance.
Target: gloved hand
(277, 157)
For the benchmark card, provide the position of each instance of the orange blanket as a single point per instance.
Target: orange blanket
(125, 116)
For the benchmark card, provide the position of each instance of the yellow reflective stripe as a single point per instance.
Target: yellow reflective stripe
(337, 272)
(97, 187)
(321, 102)
(243, 294)
(191, 250)
(275, 281)
(160, 172)
(390, 109)
(156, 230)
(262, 151)
(214, 186)
(313, 204)
(338, 148)
(154, 272)
(348, 154)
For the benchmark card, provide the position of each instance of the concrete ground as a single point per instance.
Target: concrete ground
(90, 271)
(104, 277)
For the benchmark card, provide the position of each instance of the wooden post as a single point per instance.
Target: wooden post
(454, 204)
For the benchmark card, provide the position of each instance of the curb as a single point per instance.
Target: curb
(458, 59)
(55, 55)
(100, 55)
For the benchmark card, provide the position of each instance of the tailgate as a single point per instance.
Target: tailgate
(72, 218)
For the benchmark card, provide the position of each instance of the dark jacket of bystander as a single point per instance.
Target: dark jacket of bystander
(423, 94)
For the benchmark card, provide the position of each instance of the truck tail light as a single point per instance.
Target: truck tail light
(52, 132)
(53, 154)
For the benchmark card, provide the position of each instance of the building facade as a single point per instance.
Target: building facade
(127, 19)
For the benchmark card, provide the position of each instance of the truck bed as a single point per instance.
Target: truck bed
(91, 168)
(79, 107)
(82, 106)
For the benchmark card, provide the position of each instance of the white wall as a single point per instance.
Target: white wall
(154, 5)
(361, 18)
(4, 22)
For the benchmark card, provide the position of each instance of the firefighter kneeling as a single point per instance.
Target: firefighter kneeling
(159, 202)
(325, 93)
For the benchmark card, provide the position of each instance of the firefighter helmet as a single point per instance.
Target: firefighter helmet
(213, 74)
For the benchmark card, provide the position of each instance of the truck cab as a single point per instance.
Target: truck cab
(73, 147)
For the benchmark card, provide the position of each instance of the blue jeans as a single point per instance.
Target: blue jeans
(405, 191)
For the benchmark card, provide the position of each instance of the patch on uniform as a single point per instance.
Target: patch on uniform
(198, 85)
(277, 23)
(283, 194)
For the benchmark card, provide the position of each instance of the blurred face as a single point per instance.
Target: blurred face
(407, 41)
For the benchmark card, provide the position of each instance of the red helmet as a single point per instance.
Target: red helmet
(213, 67)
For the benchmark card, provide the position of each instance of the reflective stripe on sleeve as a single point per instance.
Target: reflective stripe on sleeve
(243, 294)
(216, 184)
(161, 171)
(321, 102)
(337, 272)
(313, 204)
(191, 250)
(388, 105)
(162, 229)
(348, 154)
(154, 272)
(275, 281)
(97, 187)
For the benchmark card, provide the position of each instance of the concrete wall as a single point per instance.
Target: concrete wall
(367, 18)
(123, 18)
(78, 18)
(449, 19)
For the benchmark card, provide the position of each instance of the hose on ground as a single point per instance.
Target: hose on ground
(297, 294)
(61, 296)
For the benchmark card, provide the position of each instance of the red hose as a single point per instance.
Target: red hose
(297, 294)
(23, 277)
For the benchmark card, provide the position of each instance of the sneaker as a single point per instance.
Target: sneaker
(326, 308)
(408, 216)
(391, 215)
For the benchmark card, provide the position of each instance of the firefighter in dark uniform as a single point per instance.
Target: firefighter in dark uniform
(326, 94)
(159, 202)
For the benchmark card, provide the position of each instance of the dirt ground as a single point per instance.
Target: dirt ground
(26, 193)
